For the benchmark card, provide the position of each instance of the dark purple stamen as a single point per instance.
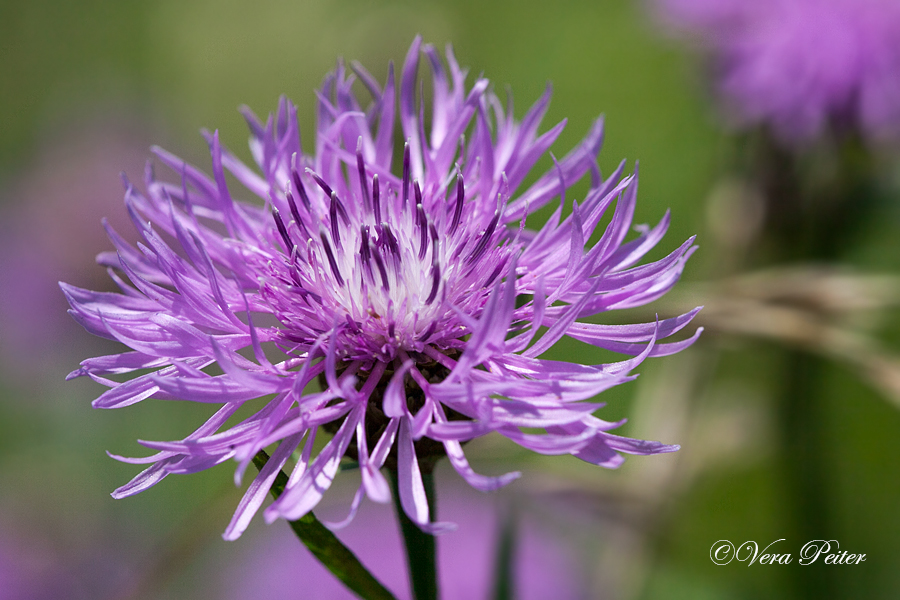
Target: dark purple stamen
(365, 254)
(381, 270)
(485, 238)
(457, 251)
(361, 168)
(434, 241)
(428, 332)
(298, 287)
(376, 198)
(288, 242)
(299, 339)
(435, 282)
(364, 243)
(295, 277)
(296, 214)
(321, 182)
(391, 330)
(335, 230)
(405, 173)
(317, 298)
(423, 230)
(390, 240)
(497, 270)
(295, 176)
(354, 326)
(335, 199)
(435, 267)
(460, 197)
(417, 191)
(332, 263)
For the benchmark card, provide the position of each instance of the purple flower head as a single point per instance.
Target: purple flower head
(800, 65)
(415, 298)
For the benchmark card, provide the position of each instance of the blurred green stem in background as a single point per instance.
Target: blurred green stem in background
(804, 464)
(325, 546)
(817, 206)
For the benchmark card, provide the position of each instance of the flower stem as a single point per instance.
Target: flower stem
(420, 547)
(505, 558)
(326, 547)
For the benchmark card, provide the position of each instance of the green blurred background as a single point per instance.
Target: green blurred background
(87, 87)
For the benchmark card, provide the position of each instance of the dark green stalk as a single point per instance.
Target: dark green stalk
(420, 547)
(505, 559)
(816, 215)
(325, 546)
(804, 460)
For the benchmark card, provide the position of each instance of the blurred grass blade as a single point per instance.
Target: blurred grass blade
(326, 547)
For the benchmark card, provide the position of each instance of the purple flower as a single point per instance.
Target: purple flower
(799, 65)
(415, 300)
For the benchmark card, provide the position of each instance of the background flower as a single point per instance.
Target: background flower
(802, 65)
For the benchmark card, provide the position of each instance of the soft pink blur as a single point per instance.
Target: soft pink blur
(273, 563)
(50, 230)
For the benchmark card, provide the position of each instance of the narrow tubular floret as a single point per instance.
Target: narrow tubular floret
(331, 260)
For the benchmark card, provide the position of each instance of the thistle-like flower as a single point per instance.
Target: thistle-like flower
(415, 298)
(800, 65)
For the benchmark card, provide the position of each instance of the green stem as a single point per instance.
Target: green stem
(325, 546)
(420, 548)
(505, 558)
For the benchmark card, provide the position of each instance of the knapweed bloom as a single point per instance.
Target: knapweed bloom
(801, 65)
(415, 297)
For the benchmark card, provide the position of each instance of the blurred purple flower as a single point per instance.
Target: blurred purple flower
(416, 300)
(799, 65)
